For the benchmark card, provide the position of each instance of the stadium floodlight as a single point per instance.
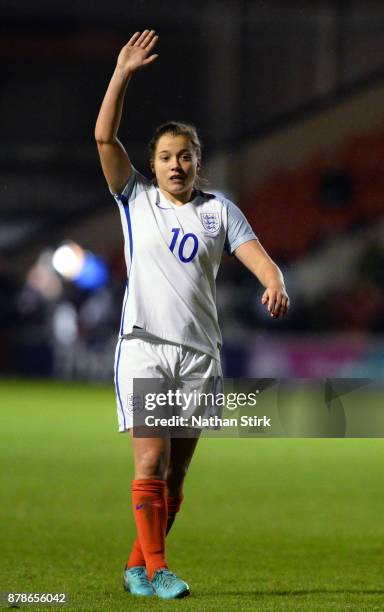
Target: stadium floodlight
(68, 260)
(85, 269)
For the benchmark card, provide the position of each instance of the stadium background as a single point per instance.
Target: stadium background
(288, 98)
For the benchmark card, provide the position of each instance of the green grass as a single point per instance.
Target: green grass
(267, 524)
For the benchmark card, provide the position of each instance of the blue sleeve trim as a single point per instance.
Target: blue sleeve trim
(242, 240)
(135, 184)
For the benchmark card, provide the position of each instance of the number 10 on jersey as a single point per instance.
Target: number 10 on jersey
(187, 247)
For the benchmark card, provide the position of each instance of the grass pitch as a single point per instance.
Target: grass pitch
(267, 524)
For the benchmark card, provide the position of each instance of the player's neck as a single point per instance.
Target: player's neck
(181, 199)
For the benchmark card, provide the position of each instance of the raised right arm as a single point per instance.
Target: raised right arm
(114, 159)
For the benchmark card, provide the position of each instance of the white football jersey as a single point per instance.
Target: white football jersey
(173, 255)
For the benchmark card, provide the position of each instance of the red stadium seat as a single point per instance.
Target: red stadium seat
(287, 213)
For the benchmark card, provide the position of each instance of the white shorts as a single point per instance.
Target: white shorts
(160, 366)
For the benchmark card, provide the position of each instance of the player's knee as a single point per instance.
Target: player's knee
(151, 464)
(176, 474)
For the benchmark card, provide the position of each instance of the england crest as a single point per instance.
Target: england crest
(211, 222)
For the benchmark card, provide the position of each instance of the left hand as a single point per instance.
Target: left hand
(277, 299)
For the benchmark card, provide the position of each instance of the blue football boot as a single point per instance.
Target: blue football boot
(168, 586)
(135, 581)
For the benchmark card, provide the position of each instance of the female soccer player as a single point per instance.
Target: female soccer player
(174, 238)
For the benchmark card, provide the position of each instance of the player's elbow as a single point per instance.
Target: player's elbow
(102, 139)
(103, 135)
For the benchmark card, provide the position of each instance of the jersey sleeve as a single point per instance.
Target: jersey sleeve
(238, 229)
(137, 182)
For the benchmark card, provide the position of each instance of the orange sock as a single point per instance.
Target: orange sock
(136, 557)
(150, 512)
